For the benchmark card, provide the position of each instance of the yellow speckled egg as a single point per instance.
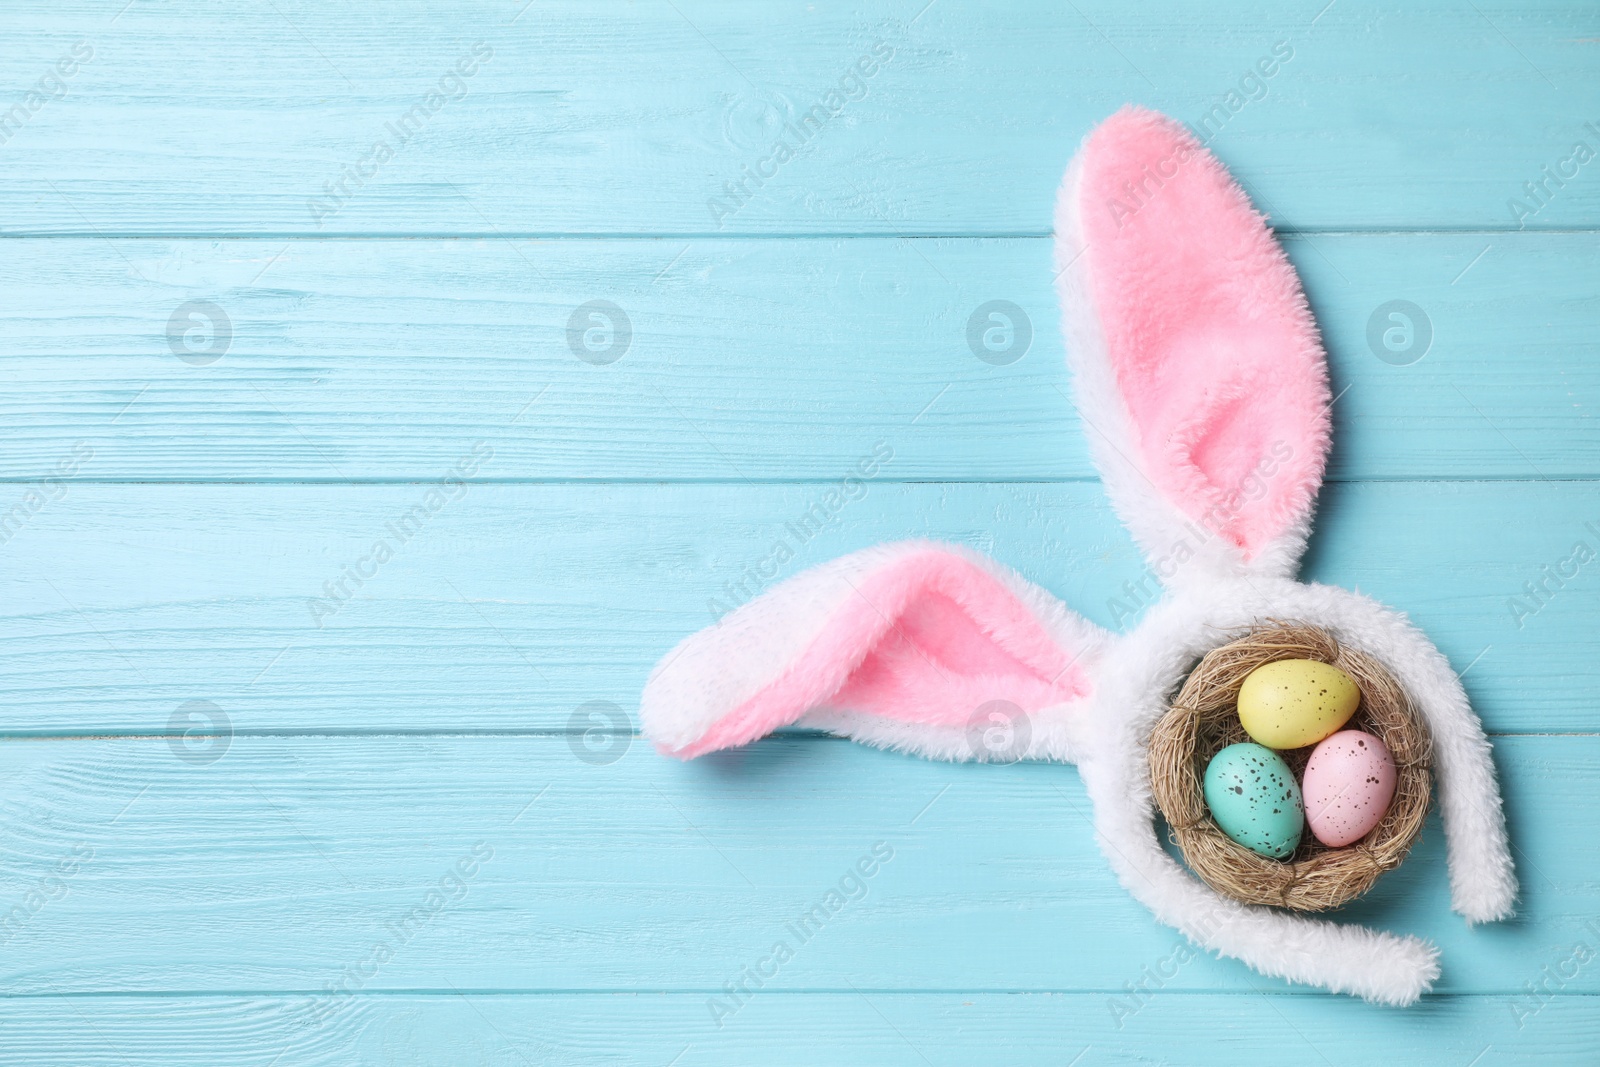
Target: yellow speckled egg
(1296, 702)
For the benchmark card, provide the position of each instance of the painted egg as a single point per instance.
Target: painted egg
(1296, 702)
(1348, 785)
(1255, 800)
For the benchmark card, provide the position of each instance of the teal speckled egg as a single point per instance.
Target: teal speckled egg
(1255, 800)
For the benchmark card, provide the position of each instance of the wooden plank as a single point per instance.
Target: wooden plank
(509, 863)
(630, 118)
(746, 360)
(513, 605)
(779, 1029)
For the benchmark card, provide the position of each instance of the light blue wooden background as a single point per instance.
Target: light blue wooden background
(192, 900)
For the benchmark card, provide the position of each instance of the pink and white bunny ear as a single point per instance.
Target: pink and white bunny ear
(903, 646)
(1200, 375)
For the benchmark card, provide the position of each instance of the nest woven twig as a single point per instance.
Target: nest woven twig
(1204, 719)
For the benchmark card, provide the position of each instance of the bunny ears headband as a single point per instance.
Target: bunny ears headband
(1203, 388)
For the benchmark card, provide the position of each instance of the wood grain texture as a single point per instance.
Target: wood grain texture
(301, 864)
(748, 359)
(628, 118)
(513, 605)
(786, 1030)
(420, 777)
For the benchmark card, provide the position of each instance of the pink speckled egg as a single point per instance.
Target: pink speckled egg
(1347, 787)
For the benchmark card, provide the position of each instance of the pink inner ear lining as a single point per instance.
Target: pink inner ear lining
(928, 639)
(1228, 442)
(1208, 334)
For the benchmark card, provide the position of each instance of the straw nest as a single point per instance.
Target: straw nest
(1204, 719)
